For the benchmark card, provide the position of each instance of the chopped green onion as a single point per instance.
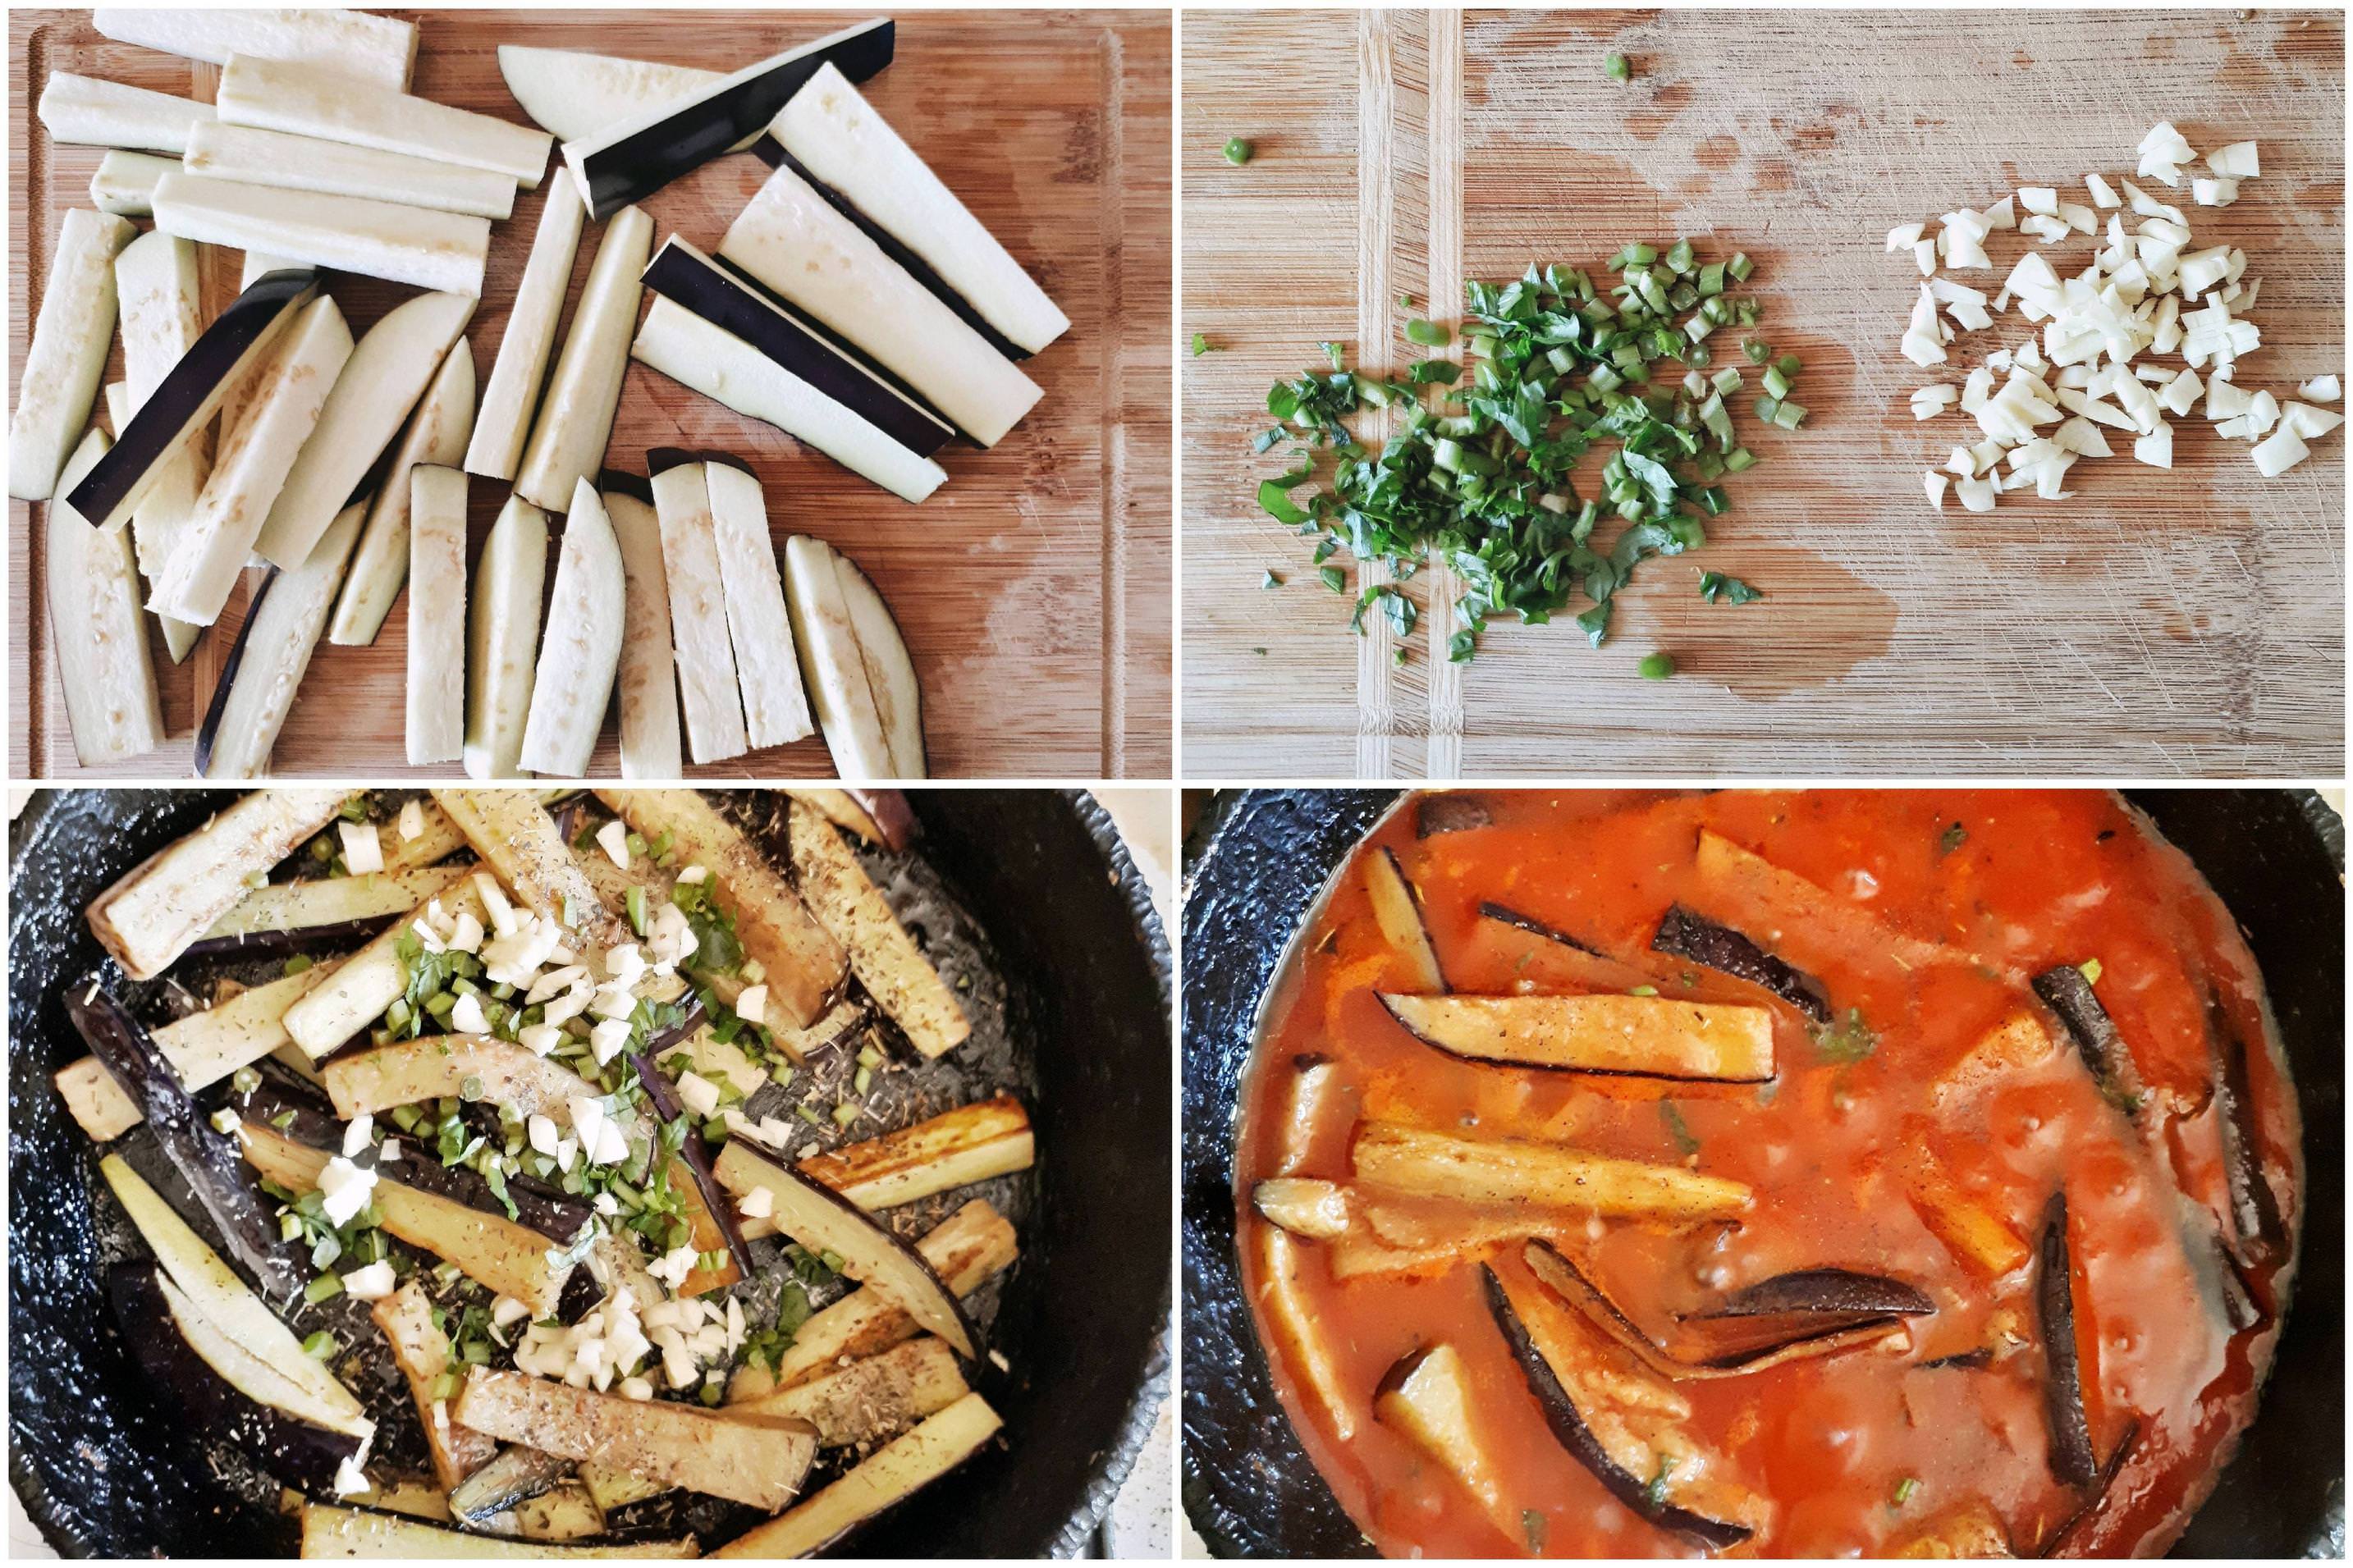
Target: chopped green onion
(322, 1288)
(1656, 666)
(1238, 152)
(1430, 334)
(1618, 67)
(2091, 970)
(1777, 385)
(319, 1345)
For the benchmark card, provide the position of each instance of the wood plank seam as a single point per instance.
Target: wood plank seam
(36, 277)
(1111, 399)
(1444, 757)
(1376, 39)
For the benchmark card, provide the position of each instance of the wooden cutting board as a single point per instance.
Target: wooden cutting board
(1032, 588)
(2190, 623)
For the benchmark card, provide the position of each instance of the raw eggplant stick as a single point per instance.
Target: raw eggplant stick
(436, 250)
(581, 651)
(202, 1049)
(435, 437)
(1684, 934)
(503, 639)
(68, 357)
(113, 704)
(897, 1472)
(580, 95)
(647, 676)
(309, 100)
(148, 918)
(775, 708)
(576, 422)
(293, 163)
(528, 339)
(885, 958)
(79, 110)
(272, 652)
(124, 184)
(709, 695)
(434, 520)
(381, 50)
(156, 279)
(2071, 1455)
(833, 663)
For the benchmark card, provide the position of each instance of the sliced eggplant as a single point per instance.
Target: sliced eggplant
(891, 1475)
(2064, 1410)
(272, 652)
(1971, 1230)
(789, 239)
(433, 518)
(832, 661)
(171, 421)
(567, 443)
(409, 1072)
(1825, 1290)
(2256, 1219)
(579, 96)
(157, 281)
(885, 958)
(702, 1199)
(775, 708)
(253, 467)
(423, 1352)
(284, 95)
(754, 1459)
(880, 816)
(1683, 935)
(616, 165)
(224, 1301)
(222, 1389)
(1427, 1397)
(1410, 1160)
(965, 1251)
(438, 250)
(1488, 910)
(581, 650)
(1449, 811)
(125, 182)
(148, 918)
(91, 576)
(511, 395)
(1645, 1036)
(84, 111)
(874, 1400)
(330, 1531)
(841, 1021)
(281, 917)
(971, 1143)
(514, 1477)
(725, 338)
(355, 996)
(1316, 1210)
(709, 693)
(385, 378)
(890, 669)
(647, 677)
(821, 1220)
(377, 49)
(514, 834)
(1970, 1530)
(2068, 993)
(831, 137)
(504, 614)
(1399, 913)
(274, 158)
(203, 1048)
(2054, 1543)
(67, 360)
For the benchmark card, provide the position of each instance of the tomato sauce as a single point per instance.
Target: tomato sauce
(1924, 917)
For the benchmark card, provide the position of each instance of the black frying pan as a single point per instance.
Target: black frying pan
(105, 1472)
(1254, 866)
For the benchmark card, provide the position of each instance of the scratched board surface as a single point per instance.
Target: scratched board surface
(1032, 588)
(2182, 623)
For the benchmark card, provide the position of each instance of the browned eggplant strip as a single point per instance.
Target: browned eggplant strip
(1560, 1413)
(1489, 910)
(1399, 912)
(1449, 811)
(2066, 992)
(1719, 947)
(2057, 1539)
(1838, 1290)
(1976, 1360)
(2062, 1389)
(2254, 1213)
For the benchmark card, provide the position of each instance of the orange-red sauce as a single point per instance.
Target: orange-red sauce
(2030, 879)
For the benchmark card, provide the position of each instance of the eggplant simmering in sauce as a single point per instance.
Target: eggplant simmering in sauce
(1780, 1174)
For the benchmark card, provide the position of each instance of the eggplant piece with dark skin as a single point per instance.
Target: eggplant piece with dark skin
(1715, 946)
(2254, 1212)
(1494, 911)
(2072, 1458)
(336, 938)
(517, 1475)
(2067, 993)
(2050, 1544)
(1831, 1290)
(208, 1402)
(206, 1158)
(1976, 1360)
(1449, 811)
(695, 1155)
(892, 816)
(1568, 1428)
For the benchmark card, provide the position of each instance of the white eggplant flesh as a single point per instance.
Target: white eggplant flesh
(87, 112)
(157, 526)
(252, 465)
(834, 133)
(441, 252)
(436, 527)
(294, 162)
(775, 708)
(385, 379)
(436, 435)
(68, 358)
(722, 366)
(261, 264)
(579, 96)
(160, 290)
(830, 662)
(708, 700)
(512, 395)
(890, 669)
(580, 651)
(503, 638)
(273, 654)
(888, 1476)
(381, 50)
(648, 675)
(792, 240)
(108, 676)
(567, 444)
(125, 182)
(278, 95)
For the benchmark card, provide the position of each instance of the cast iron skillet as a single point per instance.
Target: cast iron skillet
(104, 1473)
(1256, 863)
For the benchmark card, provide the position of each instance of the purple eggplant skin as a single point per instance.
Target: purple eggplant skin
(207, 1159)
(1449, 811)
(633, 485)
(2062, 1385)
(1683, 935)
(1840, 1291)
(208, 732)
(2050, 1545)
(1977, 1360)
(1488, 910)
(1568, 1428)
(894, 818)
(679, 1031)
(340, 935)
(696, 1153)
(2065, 991)
(640, 164)
(2254, 1212)
(287, 1447)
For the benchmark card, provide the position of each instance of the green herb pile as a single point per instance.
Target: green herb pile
(1484, 481)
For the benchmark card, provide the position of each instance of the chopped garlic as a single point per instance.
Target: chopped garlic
(358, 1133)
(2320, 389)
(613, 837)
(372, 1283)
(363, 849)
(2238, 161)
(412, 819)
(757, 1203)
(2282, 452)
(1936, 485)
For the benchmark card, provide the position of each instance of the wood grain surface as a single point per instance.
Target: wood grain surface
(1033, 588)
(2188, 623)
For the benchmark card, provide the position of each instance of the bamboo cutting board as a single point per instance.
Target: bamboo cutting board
(2190, 623)
(1032, 588)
